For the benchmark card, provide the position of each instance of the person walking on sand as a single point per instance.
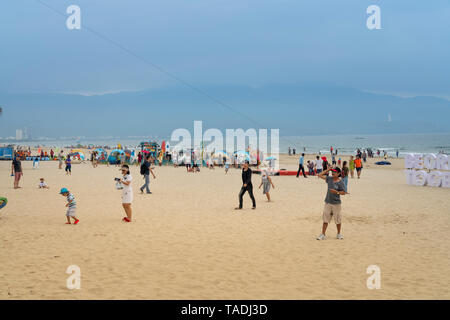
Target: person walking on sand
(332, 207)
(266, 182)
(145, 171)
(16, 171)
(71, 206)
(358, 166)
(301, 166)
(246, 185)
(127, 192)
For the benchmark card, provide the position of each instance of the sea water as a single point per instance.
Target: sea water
(345, 144)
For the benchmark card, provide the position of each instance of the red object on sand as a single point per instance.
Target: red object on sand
(281, 173)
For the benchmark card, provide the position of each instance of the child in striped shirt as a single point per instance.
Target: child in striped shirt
(71, 206)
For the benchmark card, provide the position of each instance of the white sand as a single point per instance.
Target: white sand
(187, 242)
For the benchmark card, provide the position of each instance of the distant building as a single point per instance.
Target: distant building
(19, 134)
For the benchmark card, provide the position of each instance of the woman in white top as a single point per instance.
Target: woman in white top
(127, 192)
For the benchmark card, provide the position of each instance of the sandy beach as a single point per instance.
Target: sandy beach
(187, 242)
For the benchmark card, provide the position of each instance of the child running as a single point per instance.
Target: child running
(71, 206)
(266, 182)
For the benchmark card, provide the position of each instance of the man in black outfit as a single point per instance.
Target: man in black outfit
(301, 166)
(145, 171)
(247, 185)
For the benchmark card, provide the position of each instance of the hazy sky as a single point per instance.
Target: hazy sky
(225, 42)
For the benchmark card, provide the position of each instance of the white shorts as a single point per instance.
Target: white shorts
(127, 197)
(71, 211)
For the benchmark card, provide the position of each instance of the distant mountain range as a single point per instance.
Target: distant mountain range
(294, 109)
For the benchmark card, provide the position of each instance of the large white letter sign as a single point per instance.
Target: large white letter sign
(446, 179)
(74, 280)
(409, 161)
(420, 178)
(410, 176)
(415, 175)
(442, 162)
(374, 21)
(434, 179)
(429, 161)
(374, 281)
(74, 20)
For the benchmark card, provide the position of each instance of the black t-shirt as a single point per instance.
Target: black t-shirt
(17, 165)
(146, 167)
(247, 176)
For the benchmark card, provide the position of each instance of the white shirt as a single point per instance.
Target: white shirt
(319, 164)
(127, 188)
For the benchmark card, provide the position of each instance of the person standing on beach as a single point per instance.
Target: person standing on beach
(145, 171)
(36, 162)
(319, 165)
(127, 192)
(246, 185)
(301, 166)
(332, 207)
(16, 171)
(139, 158)
(92, 159)
(351, 167)
(68, 165)
(60, 159)
(310, 166)
(344, 175)
(325, 163)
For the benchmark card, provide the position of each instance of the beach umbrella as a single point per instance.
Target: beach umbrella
(77, 155)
